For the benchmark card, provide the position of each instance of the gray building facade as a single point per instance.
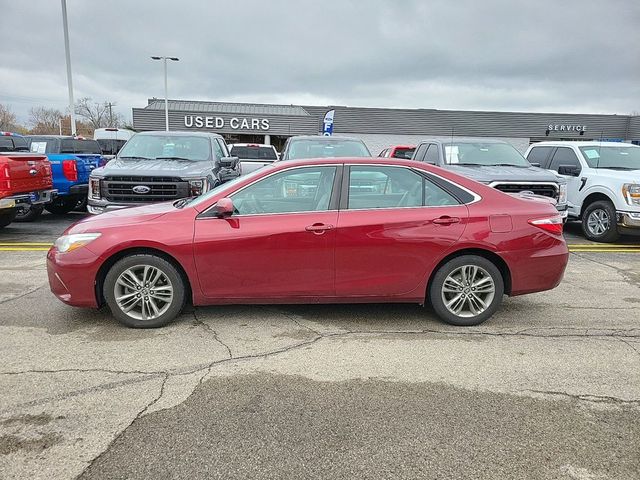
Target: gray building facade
(380, 127)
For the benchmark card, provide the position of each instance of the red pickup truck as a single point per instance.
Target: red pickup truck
(25, 179)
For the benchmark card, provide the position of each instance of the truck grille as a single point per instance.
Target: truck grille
(161, 189)
(545, 189)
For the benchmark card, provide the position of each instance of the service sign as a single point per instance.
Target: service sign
(566, 128)
(198, 121)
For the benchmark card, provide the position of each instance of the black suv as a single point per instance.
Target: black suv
(161, 166)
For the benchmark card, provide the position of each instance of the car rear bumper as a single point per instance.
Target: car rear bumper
(32, 198)
(538, 269)
(72, 276)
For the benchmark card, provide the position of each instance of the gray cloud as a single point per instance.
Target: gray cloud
(569, 56)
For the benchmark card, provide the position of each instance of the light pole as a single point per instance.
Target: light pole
(65, 27)
(166, 94)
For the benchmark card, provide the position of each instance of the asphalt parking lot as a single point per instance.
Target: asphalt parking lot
(548, 388)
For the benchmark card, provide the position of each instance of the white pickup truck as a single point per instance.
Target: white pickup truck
(603, 184)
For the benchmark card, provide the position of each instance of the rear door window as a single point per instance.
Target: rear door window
(373, 187)
(432, 154)
(564, 156)
(540, 155)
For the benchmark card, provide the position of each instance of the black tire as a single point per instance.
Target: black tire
(62, 205)
(173, 276)
(486, 268)
(81, 205)
(7, 215)
(599, 223)
(28, 213)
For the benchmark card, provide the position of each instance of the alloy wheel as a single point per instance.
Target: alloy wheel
(598, 222)
(143, 292)
(468, 291)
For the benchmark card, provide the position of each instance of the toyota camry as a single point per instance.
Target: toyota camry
(329, 230)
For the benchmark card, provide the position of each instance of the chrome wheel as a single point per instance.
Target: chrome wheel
(468, 291)
(598, 222)
(143, 292)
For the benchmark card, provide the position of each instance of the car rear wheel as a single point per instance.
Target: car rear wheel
(7, 215)
(28, 213)
(144, 291)
(62, 205)
(599, 222)
(466, 290)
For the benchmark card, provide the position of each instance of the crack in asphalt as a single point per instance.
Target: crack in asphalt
(153, 401)
(624, 273)
(585, 397)
(213, 332)
(24, 294)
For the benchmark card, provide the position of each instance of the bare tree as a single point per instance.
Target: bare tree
(8, 120)
(45, 121)
(98, 115)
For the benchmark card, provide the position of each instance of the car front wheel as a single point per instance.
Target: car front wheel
(144, 291)
(28, 213)
(599, 222)
(466, 290)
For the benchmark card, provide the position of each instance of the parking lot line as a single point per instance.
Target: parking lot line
(24, 249)
(25, 244)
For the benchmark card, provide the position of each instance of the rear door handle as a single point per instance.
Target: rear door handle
(318, 228)
(446, 220)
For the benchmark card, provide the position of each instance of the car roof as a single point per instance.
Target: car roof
(581, 144)
(180, 133)
(64, 137)
(250, 145)
(402, 146)
(463, 140)
(324, 137)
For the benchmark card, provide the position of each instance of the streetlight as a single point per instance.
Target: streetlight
(65, 27)
(166, 95)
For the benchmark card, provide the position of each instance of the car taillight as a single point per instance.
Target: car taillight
(550, 225)
(70, 170)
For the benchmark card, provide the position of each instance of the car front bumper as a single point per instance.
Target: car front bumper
(629, 222)
(96, 207)
(72, 276)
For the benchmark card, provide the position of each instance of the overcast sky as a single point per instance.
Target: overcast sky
(577, 56)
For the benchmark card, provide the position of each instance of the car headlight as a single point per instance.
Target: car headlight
(631, 193)
(562, 194)
(67, 243)
(94, 188)
(197, 187)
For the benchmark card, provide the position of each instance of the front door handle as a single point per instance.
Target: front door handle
(446, 220)
(318, 228)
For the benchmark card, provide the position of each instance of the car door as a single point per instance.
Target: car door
(565, 156)
(394, 224)
(279, 243)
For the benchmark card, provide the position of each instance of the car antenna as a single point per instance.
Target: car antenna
(450, 148)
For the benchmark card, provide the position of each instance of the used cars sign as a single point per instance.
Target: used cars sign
(197, 121)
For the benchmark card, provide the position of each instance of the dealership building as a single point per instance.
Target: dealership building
(379, 127)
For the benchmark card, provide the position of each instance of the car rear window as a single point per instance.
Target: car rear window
(74, 145)
(403, 153)
(254, 153)
(324, 148)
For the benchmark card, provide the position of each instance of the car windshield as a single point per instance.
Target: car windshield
(167, 146)
(403, 153)
(253, 152)
(486, 154)
(322, 148)
(625, 158)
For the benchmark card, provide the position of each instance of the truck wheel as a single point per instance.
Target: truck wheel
(144, 291)
(28, 213)
(62, 205)
(599, 222)
(7, 215)
(466, 290)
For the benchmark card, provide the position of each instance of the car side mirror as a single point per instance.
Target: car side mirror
(229, 162)
(570, 170)
(223, 207)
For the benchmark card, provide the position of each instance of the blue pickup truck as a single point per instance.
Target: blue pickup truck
(72, 160)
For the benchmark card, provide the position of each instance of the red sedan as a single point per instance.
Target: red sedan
(316, 231)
